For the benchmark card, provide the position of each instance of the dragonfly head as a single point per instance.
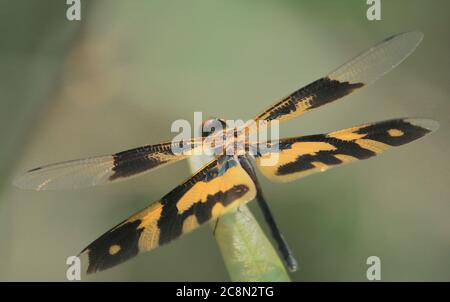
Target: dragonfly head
(212, 125)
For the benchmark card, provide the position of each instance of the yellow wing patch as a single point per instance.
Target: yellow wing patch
(214, 190)
(201, 191)
(301, 156)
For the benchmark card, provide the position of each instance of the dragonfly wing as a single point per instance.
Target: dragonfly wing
(357, 73)
(101, 169)
(300, 156)
(215, 189)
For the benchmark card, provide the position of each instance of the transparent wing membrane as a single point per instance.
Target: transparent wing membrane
(355, 74)
(102, 169)
(378, 60)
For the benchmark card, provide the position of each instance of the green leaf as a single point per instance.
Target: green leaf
(247, 252)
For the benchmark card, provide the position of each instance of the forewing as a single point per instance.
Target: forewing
(357, 73)
(301, 156)
(220, 186)
(102, 169)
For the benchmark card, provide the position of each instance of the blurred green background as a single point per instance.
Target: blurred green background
(119, 77)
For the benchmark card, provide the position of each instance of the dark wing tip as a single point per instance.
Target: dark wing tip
(398, 132)
(414, 35)
(427, 124)
(112, 248)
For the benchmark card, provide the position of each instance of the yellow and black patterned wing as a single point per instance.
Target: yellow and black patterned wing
(103, 169)
(359, 72)
(220, 186)
(301, 156)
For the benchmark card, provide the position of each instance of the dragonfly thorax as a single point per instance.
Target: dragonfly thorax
(213, 125)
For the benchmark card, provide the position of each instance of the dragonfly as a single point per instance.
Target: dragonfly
(229, 181)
